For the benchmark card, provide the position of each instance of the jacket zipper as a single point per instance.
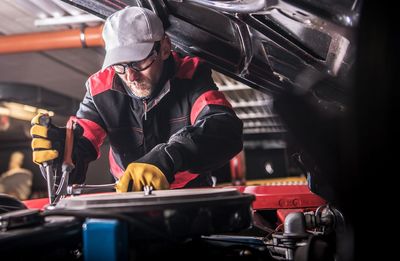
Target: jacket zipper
(145, 108)
(145, 118)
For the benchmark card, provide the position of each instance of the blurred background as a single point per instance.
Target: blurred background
(43, 68)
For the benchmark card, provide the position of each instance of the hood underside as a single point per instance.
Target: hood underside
(272, 46)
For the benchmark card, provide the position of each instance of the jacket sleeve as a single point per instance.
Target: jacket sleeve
(215, 135)
(89, 135)
(212, 139)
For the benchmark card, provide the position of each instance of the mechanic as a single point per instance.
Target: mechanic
(168, 125)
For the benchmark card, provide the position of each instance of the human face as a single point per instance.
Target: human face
(143, 76)
(141, 65)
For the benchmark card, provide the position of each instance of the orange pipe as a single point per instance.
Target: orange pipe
(51, 40)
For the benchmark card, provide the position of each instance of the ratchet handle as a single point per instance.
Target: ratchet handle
(69, 144)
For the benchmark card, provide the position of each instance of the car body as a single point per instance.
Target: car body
(303, 53)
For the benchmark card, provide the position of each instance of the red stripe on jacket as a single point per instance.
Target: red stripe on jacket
(91, 131)
(207, 98)
(182, 178)
(101, 81)
(116, 170)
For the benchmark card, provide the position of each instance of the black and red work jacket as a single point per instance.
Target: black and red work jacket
(187, 128)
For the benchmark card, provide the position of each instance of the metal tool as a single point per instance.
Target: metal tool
(49, 170)
(78, 189)
(50, 179)
(64, 189)
(67, 166)
(47, 167)
(148, 190)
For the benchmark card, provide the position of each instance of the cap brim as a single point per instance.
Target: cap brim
(130, 53)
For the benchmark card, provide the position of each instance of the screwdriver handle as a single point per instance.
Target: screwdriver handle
(69, 143)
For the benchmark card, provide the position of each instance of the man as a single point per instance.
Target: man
(167, 124)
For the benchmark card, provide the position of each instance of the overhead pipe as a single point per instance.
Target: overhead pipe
(42, 41)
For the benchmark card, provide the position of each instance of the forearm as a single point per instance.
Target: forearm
(84, 153)
(87, 147)
(211, 142)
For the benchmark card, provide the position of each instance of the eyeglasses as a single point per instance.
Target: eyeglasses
(139, 65)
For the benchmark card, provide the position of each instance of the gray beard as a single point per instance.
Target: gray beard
(130, 92)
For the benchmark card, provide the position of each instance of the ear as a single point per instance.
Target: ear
(165, 48)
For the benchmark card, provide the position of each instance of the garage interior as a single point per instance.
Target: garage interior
(64, 71)
(313, 82)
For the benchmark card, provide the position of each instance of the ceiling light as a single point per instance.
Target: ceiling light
(68, 20)
(21, 111)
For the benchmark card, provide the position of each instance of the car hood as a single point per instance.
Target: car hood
(273, 46)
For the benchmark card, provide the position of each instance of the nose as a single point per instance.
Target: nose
(131, 74)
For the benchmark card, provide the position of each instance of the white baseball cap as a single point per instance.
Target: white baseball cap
(129, 35)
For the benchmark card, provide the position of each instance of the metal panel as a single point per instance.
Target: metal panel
(253, 107)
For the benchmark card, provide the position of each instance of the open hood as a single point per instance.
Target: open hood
(269, 45)
(282, 48)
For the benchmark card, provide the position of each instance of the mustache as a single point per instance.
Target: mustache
(142, 85)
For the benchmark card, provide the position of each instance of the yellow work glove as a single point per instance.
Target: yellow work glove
(142, 174)
(43, 150)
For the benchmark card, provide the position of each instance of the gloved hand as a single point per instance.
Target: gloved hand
(48, 144)
(46, 138)
(142, 174)
(156, 169)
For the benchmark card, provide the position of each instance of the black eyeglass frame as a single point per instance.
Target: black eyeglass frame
(134, 65)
